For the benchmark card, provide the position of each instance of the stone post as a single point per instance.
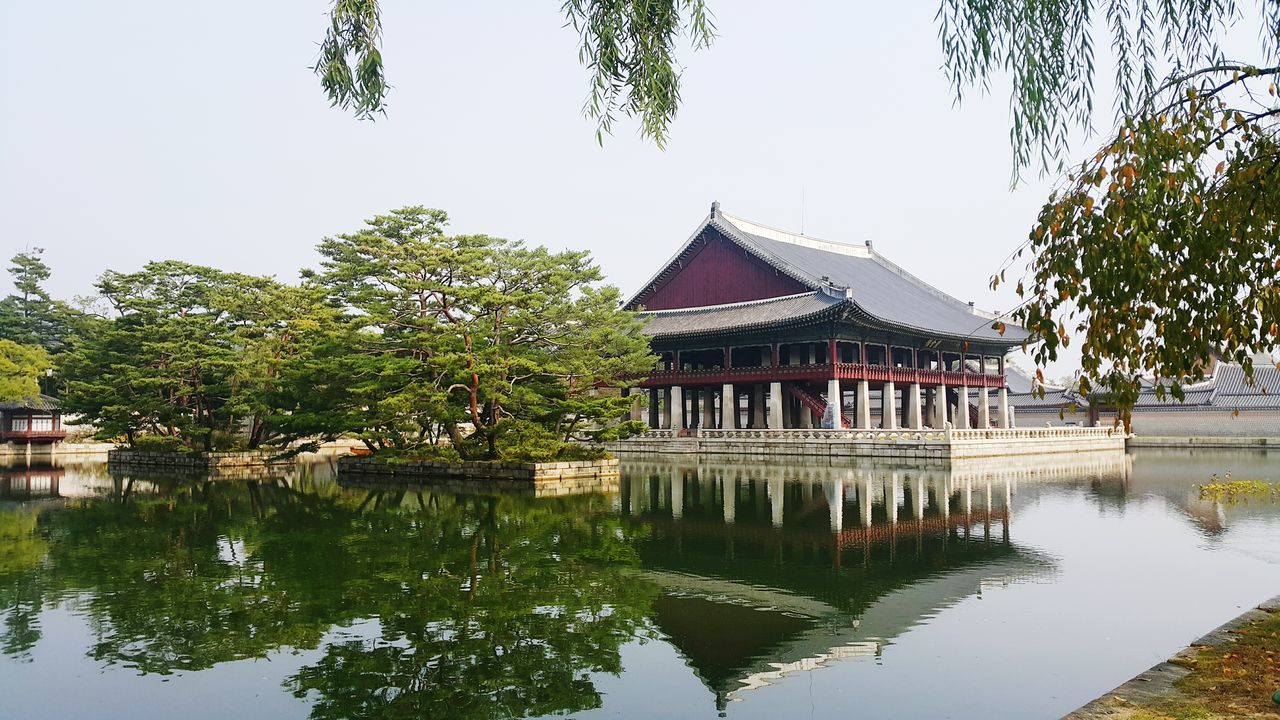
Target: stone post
(984, 408)
(775, 406)
(834, 402)
(1004, 409)
(889, 406)
(675, 408)
(654, 418)
(806, 415)
(915, 417)
(940, 407)
(728, 407)
(636, 408)
(962, 407)
(708, 408)
(864, 405)
(757, 407)
(666, 408)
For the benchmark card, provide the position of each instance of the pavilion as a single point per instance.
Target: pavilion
(760, 328)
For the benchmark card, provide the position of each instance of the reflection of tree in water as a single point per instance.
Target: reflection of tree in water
(487, 606)
(500, 609)
(22, 551)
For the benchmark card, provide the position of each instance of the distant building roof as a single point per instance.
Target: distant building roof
(879, 289)
(39, 402)
(1226, 389)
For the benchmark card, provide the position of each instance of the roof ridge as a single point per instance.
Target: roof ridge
(854, 251)
(786, 236)
(743, 303)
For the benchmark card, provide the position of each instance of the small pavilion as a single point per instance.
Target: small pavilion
(761, 328)
(31, 421)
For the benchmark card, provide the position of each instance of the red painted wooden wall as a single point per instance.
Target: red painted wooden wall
(720, 272)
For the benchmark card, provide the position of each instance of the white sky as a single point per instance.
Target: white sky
(148, 130)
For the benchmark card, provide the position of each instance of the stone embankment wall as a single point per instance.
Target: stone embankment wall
(551, 478)
(1183, 423)
(224, 464)
(930, 446)
(10, 449)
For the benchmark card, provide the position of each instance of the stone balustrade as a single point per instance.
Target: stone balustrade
(928, 444)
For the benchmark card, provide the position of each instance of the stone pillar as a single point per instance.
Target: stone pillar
(654, 418)
(775, 406)
(675, 408)
(889, 406)
(708, 408)
(984, 409)
(962, 407)
(1003, 418)
(728, 407)
(757, 406)
(806, 415)
(864, 405)
(666, 408)
(940, 407)
(835, 417)
(636, 409)
(915, 417)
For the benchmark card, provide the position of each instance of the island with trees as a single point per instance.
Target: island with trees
(420, 345)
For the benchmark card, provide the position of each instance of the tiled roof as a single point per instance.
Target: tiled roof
(1230, 380)
(880, 290)
(1054, 398)
(739, 316)
(1227, 389)
(40, 402)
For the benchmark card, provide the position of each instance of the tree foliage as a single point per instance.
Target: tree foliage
(521, 346)
(21, 367)
(1160, 249)
(629, 48)
(29, 315)
(192, 353)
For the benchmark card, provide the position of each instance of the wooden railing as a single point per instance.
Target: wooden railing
(821, 373)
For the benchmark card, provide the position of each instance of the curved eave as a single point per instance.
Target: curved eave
(830, 312)
(874, 321)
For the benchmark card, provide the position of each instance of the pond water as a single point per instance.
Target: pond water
(690, 589)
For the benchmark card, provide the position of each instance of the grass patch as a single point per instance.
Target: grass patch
(1237, 679)
(1231, 491)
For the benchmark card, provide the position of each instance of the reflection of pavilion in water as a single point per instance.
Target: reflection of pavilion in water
(30, 482)
(768, 570)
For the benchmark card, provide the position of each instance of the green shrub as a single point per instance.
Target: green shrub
(159, 443)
